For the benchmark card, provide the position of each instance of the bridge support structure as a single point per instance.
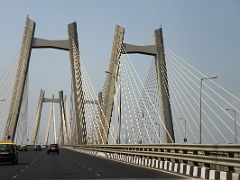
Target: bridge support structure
(37, 118)
(162, 80)
(28, 43)
(107, 95)
(156, 50)
(50, 121)
(20, 80)
(63, 130)
(63, 137)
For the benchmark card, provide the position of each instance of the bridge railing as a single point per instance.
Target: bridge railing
(224, 157)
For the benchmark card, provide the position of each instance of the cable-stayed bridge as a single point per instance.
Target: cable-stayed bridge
(167, 116)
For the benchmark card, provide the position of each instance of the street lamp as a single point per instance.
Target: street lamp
(120, 106)
(200, 107)
(185, 129)
(235, 123)
(120, 112)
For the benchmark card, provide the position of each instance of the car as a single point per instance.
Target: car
(53, 148)
(38, 147)
(23, 148)
(44, 146)
(8, 152)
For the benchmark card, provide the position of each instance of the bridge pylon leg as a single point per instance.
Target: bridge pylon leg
(81, 131)
(37, 118)
(22, 71)
(163, 90)
(64, 133)
(108, 95)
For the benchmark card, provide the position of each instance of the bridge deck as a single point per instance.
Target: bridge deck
(72, 165)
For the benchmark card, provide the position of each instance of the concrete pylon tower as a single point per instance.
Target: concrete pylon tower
(28, 43)
(63, 126)
(37, 118)
(51, 121)
(108, 95)
(156, 50)
(22, 70)
(162, 80)
(63, 137)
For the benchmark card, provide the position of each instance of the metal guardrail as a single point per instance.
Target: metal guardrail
(215, 156)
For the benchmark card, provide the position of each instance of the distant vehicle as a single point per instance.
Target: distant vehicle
(23, 148)
(8, 152)
(38, 147)
(53, 148)
(44, 146)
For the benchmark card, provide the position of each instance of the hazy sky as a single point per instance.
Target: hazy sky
(205, 33)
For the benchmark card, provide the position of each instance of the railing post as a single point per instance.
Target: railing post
(230, 168)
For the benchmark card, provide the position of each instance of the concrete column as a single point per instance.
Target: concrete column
(162, 80)
(77, 85)
(37, 118)
(20, 80)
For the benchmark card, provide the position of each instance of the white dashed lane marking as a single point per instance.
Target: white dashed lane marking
(97, 174)
(14, 176)
(33, 162)
(89, 169)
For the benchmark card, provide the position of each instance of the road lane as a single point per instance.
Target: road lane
(54, 166)
(113, 169)
(26, 159)
(73, 165)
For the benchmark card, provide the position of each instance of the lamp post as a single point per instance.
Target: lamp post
(235, 123)
(200, 107)
(185, 129)
(120, 113)
(1, 100)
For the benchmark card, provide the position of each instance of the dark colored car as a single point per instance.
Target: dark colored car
(38, 148)
(53, 148)
(8, 152)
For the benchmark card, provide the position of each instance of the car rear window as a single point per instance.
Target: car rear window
(54, 145)
(6, 147)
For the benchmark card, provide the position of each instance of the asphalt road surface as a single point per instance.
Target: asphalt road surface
(73, 165)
